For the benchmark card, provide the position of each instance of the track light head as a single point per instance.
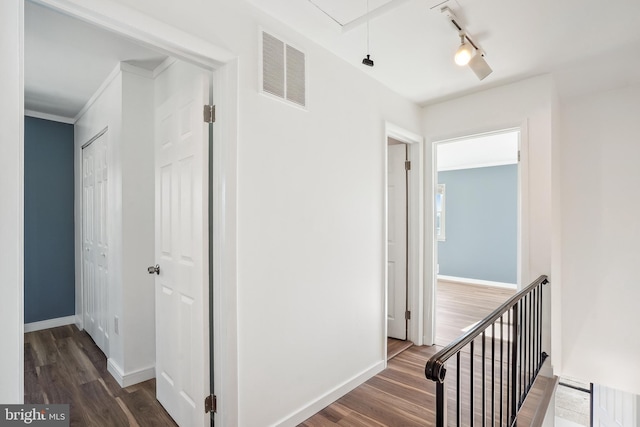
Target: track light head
(479, 66)
(464, 53)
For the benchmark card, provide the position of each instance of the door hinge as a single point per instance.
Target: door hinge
(518, 155)
(209, 113)
(407, 165)
(407, 315)
(210, 404)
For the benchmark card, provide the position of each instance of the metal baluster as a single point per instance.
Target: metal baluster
(536, 350)
(509, 365)
(525, 351)
(514, 365)
(458, 401)
(441, 404)
(529, 334)
(541, 294)
(484, 387)
(501, 364)
(493, 373)
(520, 356)
(471, 381)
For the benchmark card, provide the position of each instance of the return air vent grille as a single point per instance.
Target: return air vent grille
(283, 70)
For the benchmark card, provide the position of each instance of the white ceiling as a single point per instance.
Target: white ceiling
(413, 45)
(588, 43)
(479, 151)
(67, 60)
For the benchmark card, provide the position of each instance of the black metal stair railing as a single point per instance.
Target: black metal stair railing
(494, 383)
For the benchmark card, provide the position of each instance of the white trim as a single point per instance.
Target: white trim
(467, 281)
(49, 323)
(50, 117)
(79, 321)
(122, 66)
(331, 396)
(163, 66)
(105, 84)
(135, 377)
(144, 29)
(125, 66)
(415, 255)
(225, 178)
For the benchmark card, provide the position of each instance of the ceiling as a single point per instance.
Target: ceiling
(413, 44)
(495, 149)
(66, 60)
(587, 43)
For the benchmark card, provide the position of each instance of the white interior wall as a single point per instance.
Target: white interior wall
(527, 104)
(11, 208)
(125, 108)
(600, 234)
(138, 226)
(310, 219)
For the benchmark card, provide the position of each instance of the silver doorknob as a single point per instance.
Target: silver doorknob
(154, 269)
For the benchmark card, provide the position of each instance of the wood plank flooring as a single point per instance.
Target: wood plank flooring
(401, 395)
(63, 365)
(395, 347)
(459, 305)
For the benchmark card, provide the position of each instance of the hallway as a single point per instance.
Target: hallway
(63, 365)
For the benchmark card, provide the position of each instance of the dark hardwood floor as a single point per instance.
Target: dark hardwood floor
(63, 365)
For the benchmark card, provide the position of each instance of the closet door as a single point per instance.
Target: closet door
(94, 241)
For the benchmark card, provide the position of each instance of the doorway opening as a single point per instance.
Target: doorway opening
(182, 176)
(404, 240)
(477, 228)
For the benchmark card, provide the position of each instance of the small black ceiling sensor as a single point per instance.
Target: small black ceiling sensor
(368, 61)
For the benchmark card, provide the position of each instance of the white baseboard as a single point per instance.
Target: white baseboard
(50, 323)
(330, 397)
(79, 322)
(477, 282)
(131, 378)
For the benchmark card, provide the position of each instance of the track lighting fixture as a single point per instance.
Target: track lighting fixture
(468, 53)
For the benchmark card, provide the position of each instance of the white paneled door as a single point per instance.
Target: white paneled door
(181, 159)
(397, 242)
(614, 408)
(94, 240)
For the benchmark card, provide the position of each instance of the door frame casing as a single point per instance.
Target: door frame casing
(415, 252)
(223, 66)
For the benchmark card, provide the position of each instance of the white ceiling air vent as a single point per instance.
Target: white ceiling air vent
(283, 70)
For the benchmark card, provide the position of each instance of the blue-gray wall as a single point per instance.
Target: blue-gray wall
(49, 276)
(481, 209)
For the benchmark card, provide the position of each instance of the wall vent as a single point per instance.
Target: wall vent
(283, 70)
